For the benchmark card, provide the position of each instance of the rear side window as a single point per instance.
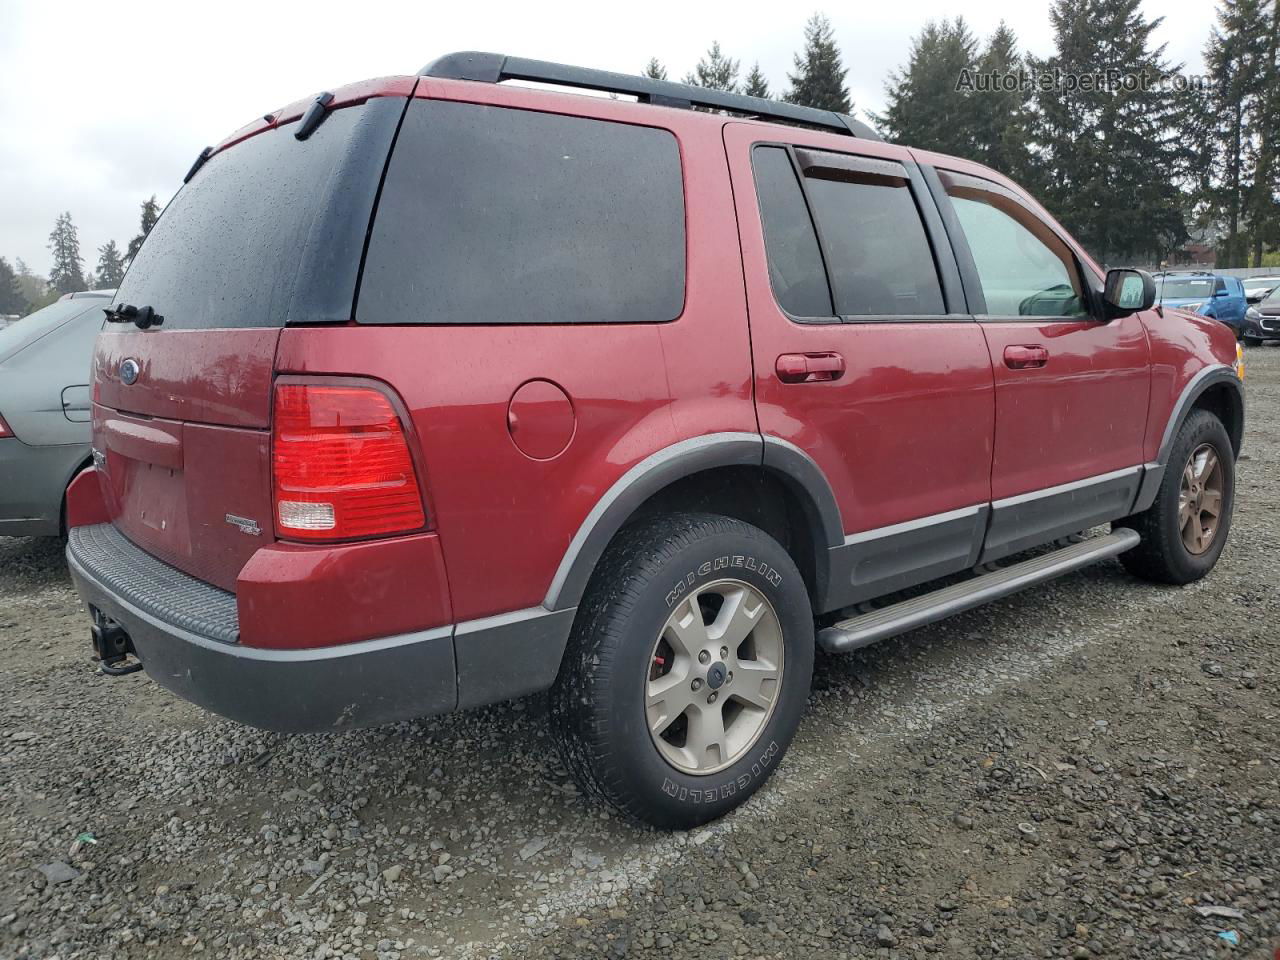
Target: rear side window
(269, 230)
(795, 262)
(877, 251)
(491, 215)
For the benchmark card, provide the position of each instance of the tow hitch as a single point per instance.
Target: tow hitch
(111, 646)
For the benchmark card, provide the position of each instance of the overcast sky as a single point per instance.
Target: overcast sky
(104, 104)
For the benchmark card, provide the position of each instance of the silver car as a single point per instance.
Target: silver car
(44, 410)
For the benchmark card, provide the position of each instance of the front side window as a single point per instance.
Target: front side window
(1025, 269)
(491, 215)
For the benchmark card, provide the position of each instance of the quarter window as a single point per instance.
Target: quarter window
(1025, 269)
(491, 215)
(795, 263)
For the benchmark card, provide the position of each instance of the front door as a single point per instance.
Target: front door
(863, 354)
(1071, 387)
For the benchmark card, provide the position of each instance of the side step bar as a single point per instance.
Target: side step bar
(868, 628)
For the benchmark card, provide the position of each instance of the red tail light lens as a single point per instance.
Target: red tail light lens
(4, 429)
(340, 464)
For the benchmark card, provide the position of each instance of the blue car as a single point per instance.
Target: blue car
(1208, 294)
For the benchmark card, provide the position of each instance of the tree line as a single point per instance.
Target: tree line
(23, 291)
(1130, 152)
(1131, 163)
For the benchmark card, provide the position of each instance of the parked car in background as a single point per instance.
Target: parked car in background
(1257, 289)
(435, 391)
(1208, 294)
(1263, 320)
(44, 410)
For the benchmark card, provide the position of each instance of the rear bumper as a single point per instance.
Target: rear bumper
(353, 685)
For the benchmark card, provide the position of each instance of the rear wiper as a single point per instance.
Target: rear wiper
(142, 317)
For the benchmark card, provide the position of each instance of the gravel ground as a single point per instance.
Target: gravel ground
(1084, 770)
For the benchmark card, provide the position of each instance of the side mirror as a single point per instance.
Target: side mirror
(1128, 291)
(1223, 293)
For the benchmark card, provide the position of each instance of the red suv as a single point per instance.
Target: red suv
(436, 391)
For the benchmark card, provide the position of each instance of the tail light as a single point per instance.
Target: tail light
(4, 428)
(341, 466)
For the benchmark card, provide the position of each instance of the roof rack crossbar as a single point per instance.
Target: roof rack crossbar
(496, 67)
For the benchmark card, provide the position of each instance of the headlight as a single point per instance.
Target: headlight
(1253, 313)
(1192, 307)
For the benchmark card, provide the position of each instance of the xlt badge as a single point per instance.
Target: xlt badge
(245, 524)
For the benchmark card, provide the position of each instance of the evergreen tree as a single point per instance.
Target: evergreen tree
(819, 77)
(1111, 152)
(715, 71)
(34, 288)
(928, 102)
(1000, 116)
(11, 298)
(110, 266)
(655, 70)
(1261, 204)
(756, 85)
(1232, 109)
(150, 214)
(67, 275)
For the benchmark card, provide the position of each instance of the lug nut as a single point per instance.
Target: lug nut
(697, 683)
(724, 653)
(712, 698)
(704, 657)
(729, 678)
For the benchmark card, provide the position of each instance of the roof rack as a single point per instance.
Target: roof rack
(496, 67)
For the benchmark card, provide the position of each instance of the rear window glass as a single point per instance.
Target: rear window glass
(491, 215)
(269, 230)
(1177, 288)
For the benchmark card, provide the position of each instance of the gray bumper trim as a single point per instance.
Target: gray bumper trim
(353, 685)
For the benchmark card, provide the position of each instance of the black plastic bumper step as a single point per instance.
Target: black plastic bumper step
(868, 628)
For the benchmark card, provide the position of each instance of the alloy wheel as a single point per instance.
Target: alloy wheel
(715, 674)
(1200, 499)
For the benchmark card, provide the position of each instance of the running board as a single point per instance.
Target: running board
(868, 628)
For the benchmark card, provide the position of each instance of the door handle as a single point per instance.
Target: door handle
(809, 367)
(1025, 356)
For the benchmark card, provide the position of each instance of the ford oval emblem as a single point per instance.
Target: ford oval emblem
(129, 371)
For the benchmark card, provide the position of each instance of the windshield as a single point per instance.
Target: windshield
(1185, 288)
(31, 328)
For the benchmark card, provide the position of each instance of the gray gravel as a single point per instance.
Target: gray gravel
(1090, 769)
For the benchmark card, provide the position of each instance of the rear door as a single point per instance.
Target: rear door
(864, 356)
(269, 231)
(1072, 388)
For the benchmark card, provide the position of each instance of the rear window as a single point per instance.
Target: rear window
(1178, 288)
(270, 230)
(492, 215)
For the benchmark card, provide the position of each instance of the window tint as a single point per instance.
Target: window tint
(270, 229)
(876, 247)
(495, 215)
(1024, 267)
(795, 263)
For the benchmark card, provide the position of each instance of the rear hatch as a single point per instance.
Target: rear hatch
(269, 231)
